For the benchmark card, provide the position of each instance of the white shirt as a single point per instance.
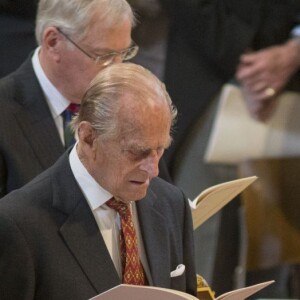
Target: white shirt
(56, 101)
(107, 219)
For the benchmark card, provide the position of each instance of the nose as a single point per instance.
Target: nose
(150, 164)
(117, 59)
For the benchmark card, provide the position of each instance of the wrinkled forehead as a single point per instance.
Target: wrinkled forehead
(137, 107)
(147, 120)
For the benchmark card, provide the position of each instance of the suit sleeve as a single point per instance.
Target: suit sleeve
(16, 266)
(221, 30)
(2, 177)
(218, 30)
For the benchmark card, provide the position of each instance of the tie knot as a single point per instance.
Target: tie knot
(73, 108)
(119, 206)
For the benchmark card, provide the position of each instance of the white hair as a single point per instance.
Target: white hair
(73, 16)
(101, 102)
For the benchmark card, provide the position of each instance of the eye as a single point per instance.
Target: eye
(138, 154)
(109, 55)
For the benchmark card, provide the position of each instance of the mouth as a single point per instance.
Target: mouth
(140, 182)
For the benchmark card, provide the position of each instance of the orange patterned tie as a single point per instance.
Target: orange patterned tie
(133, 272)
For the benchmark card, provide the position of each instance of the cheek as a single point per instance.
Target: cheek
(116, 170)
(116, 180)
(123, 172)
(83, 70)
(85, 74)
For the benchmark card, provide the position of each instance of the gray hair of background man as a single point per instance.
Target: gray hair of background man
(73, 16)
(101, 102)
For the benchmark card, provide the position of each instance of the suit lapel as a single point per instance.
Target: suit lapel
(80, 231)
(82, 236)
(34, 117)
(155, 239)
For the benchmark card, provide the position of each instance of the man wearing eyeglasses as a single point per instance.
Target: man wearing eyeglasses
(76, 40)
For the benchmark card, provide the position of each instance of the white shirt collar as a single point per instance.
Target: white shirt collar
(93, 192)
(56, 101)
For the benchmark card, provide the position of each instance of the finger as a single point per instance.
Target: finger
(266, 110)
(255, 84)
(258, 109)
(265, 94)
(257, 87)
(248, 58)
(250, 71)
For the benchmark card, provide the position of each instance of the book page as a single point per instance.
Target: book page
(237, 136)
(243, 293)
(214, 198)
(137, 292)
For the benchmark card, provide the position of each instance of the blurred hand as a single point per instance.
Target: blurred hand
(263, 74)
(260, 109)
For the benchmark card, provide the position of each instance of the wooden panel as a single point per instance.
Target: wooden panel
(272, 210)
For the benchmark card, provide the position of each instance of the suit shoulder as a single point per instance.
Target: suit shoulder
(28, 196)
(12, 85)
(167, 191)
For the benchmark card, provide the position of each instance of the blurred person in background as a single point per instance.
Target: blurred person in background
(209, 44)
(150, 33)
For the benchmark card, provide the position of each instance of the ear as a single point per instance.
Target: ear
(87, 137)
(52, 42)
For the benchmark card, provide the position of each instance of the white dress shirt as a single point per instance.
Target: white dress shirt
(107, 219)
(56, 101)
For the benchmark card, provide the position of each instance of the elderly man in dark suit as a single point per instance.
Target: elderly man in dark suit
(77, 39)
(58, 236)
(33, 98)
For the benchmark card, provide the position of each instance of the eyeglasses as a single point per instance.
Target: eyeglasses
(108, 58)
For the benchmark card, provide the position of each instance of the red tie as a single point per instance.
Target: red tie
(133, 272)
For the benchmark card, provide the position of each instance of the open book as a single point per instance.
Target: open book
(236, 136)
(214, 198)
(137, 292)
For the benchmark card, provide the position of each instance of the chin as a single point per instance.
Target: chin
(137, 196)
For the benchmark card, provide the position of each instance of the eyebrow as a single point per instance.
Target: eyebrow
(134, 146)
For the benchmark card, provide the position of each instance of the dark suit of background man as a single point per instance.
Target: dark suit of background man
(16, 33)
(58, 238)
(33, 97)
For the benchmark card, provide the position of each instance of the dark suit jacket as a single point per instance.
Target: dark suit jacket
(205, 41)
(29, 140)
(51, 247)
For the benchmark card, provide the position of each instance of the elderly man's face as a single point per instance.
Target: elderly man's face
(76, 69)
(125, 165)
